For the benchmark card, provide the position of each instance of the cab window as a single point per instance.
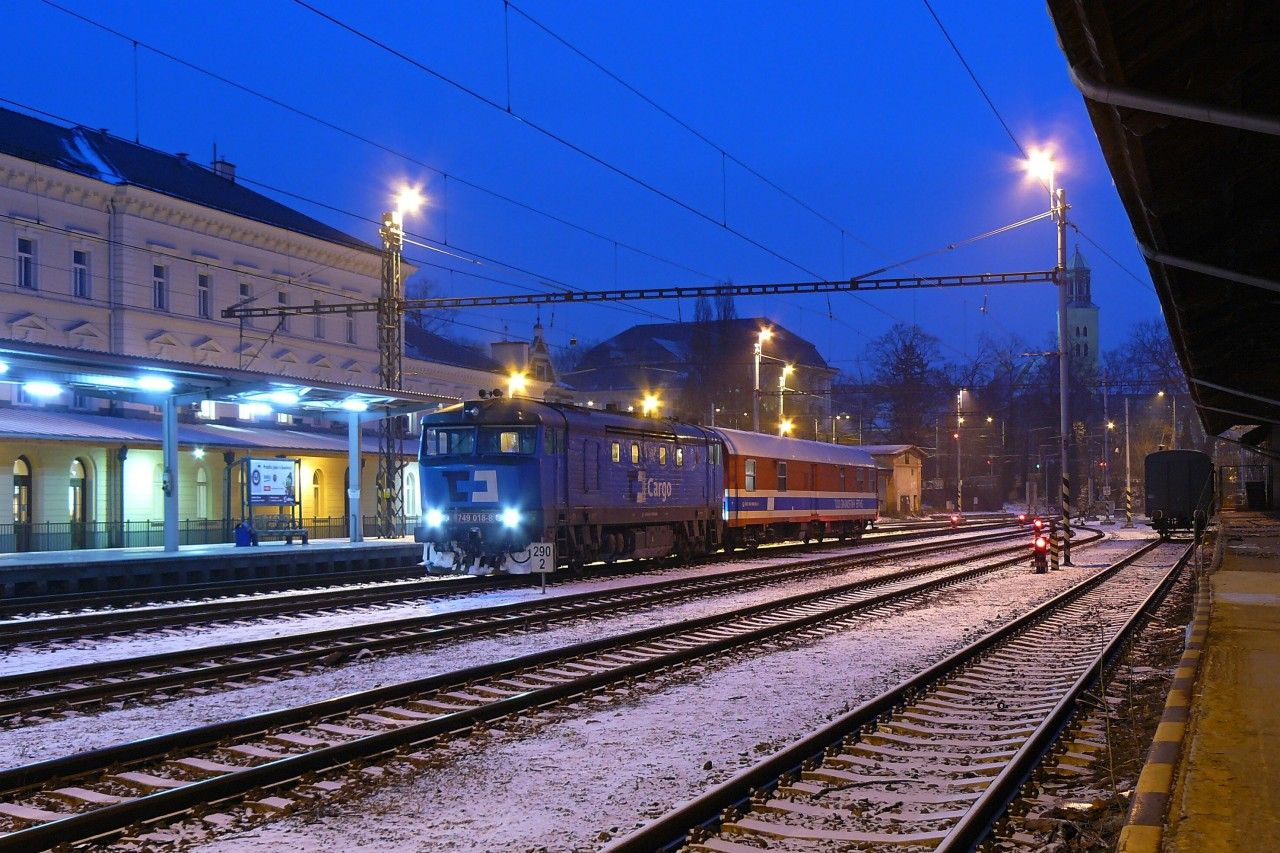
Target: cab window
(749, 475)
(449, 441)
(508, 440)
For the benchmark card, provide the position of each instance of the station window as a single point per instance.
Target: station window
(319, 322)
(80, 284)
(635, 453)
(202, 294)
(782, 476)
(282, 300)
(160, 287)
(615, 451)
(351, 328)
(679, 457)
(662, 455)
(749, 475)
(26, 263)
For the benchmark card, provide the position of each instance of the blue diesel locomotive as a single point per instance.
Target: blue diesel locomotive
(499, 474)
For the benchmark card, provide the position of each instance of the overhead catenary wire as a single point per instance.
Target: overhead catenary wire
(523, 119)
(1014, 138)
(366, 140)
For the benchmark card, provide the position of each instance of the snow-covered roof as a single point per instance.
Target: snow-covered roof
(99, 155)
(890, 449)
(741, 443)
(46, 425)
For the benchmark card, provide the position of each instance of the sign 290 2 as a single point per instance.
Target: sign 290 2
(543, 556)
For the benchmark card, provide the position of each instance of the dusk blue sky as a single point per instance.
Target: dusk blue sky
(859, 109)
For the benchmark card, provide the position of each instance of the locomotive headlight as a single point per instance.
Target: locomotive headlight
(511, 517)
(435, 518)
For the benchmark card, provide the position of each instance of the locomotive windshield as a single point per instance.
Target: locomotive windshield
(449, 441)
(519, 440)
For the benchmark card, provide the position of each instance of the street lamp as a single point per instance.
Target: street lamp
(784, 426)
(649, 405)
(1040, 165)
(758, 350)
(787, 370)
(517, 382)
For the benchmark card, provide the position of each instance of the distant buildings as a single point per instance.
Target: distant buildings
(704, 372)
(1082, 314)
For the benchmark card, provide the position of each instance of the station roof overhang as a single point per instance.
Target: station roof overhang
(50, 371)
(1186, 108)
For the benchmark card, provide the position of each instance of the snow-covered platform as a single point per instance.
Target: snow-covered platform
(51, 572)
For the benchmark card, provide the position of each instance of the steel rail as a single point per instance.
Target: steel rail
(669, 832)
(308, 648)
(979, 820)
(79, 625)
(665, 650)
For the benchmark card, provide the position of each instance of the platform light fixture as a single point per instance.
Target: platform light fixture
(4, 367)
(284, 398)
(198, 452)
(155, 384)
(43, 390)
(353, 405)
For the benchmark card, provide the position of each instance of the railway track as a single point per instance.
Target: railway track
(42, 629)
(77, 602)
(76, 688)
(934, 763)
(97, 794)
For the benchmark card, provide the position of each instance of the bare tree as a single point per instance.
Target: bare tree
(908, 380)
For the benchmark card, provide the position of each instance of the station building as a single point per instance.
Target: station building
(127, 254)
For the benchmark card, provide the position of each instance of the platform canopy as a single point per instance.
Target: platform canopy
(52, 373)
(1185, 101)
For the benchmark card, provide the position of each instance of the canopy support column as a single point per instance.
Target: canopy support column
(353, 478)
(169, 484)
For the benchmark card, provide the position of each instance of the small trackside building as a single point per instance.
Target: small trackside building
(904, 476)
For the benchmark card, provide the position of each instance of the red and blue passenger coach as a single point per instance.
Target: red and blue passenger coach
(789, 488)
(499, 475)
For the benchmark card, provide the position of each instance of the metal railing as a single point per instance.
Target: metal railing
(72, 535)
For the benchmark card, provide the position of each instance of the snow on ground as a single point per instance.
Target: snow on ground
(96, 649)
(577, 776)
(92, 730)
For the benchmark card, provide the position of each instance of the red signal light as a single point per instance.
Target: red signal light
(1039, 523)
(1041, 543)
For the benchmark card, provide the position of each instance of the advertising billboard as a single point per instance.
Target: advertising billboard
(271, 482)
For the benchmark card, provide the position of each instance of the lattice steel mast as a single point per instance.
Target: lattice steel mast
(389, 482)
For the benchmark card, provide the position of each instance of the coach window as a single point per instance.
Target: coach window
(782, 476)
(615, 451)
(679, 457)
(635, 453)
(750, 475)
(662, 455)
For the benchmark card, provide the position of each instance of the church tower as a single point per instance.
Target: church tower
(1082, 314)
